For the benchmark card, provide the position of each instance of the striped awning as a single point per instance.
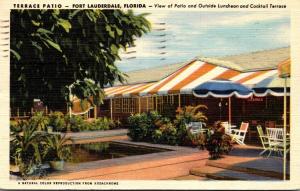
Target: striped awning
(126, 90)
(273, 85)
(196, 72)
(188, 77)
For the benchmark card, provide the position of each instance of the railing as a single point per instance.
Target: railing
(19, 113)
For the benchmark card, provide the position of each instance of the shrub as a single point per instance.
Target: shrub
(157, 136)
(169, 134)
(143, 126)
(152, 127)
(153, 119)
(100, 124)
(218, 143)
(198, 139)
(39, 121)
(139, 125)
(182, 133)
(114, 124)
(57, 121)
(75, 123)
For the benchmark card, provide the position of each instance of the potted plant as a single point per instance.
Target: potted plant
(57, 151)
(26, 147)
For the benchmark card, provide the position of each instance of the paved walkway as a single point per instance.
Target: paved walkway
(248, 157)
(155, 166)
(242, 163)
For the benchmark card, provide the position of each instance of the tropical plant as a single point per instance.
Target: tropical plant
(26, 146)
(75, 123)
(52, 49)
(39, 120)
(218, 142)
(184, 116)
(100, 124)
(57, 121)
(197, 139)
(191, 113)
(169, 134)
(56, 148)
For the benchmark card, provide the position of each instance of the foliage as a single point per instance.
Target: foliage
(15, 126)
(56, 149)
(100, 124)
(52, 49)
(115, 124)
(153, 127)
(138, 126)
(39, 121)
(57, 121)
(191, 113)
(142, 126)
(168, 134)
(26, 146)
(198, 139)
(218, 143)
(184, 116)
(75, 123)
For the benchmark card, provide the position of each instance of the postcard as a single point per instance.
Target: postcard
(149, 95)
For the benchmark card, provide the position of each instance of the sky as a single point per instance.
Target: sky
(180, 36)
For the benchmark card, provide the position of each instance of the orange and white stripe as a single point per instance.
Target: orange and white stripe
(188, 71)
(121, 90)
(188, 77)
(260, 77)
(137, 90)
(212, 74)
(116, 89)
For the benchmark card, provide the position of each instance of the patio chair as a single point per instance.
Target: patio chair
(227, 127)
(195, 127)
(275, 137)
(264, 140)
(238, 135)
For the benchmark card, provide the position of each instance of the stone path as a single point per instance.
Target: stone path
(242, 163)
(155, 166)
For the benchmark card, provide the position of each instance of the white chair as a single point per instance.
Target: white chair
(227, 127)
(275, 137)
(195, 127)
(264, 140)
(238, 135)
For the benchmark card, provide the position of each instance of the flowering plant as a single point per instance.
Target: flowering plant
(217, 141)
